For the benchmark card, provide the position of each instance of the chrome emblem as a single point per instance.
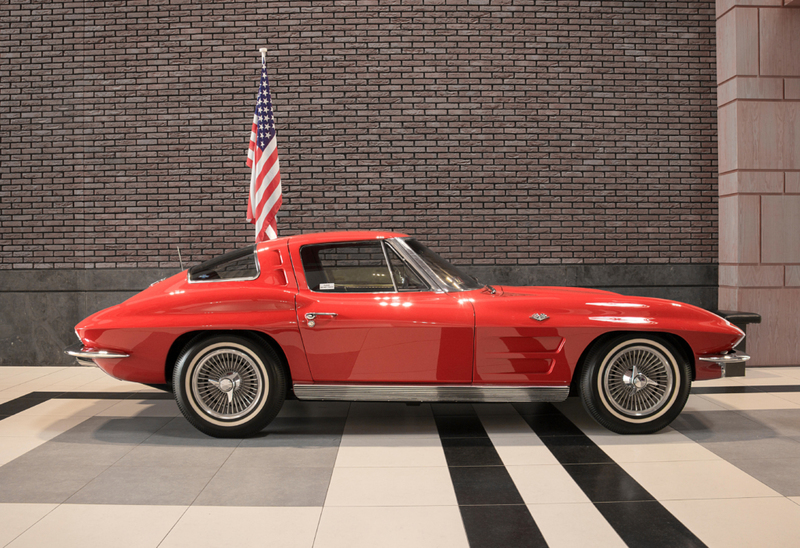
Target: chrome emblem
(540, 317)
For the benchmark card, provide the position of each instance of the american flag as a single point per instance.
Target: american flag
(265, 176)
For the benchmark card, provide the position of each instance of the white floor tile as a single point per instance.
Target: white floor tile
(696, 480)
(740, 522)
(214, 526)
(514, 440)
(793, 397)
(663, 446)
(700, 403)
(795, 500)
(79, 526)
(35, 426)
(141, 408)
(752, 401)
(389, 409)
(423, 486)
(11, 448)
(391, 527)
(545, 484)
(586, 526)
(390, 451)
(793, 372)
(69, 408)
(15, 519)
(521, 449)
(396, 425)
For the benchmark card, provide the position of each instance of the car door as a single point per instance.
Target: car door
(364, 322)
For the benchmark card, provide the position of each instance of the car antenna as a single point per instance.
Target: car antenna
(179, 255)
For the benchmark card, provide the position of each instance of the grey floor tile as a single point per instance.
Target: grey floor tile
(68, 454)
(299, 432)
(283, 456)
(297, 408)
(770, 448)
(269, 486)
(98, 430)
(782, 475)
(28, 482)
(145, 485)
(181, 455)
(306, 426)
(721, 426)
(784, 422)
(179, 432)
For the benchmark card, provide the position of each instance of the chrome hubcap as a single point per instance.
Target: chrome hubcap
(638, 381)
(226, 384)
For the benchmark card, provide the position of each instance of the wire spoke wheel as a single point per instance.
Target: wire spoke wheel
(638, 380)
(226, 384)
(635, 383)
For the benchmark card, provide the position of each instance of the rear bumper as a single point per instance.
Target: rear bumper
(86, 355)
(732, 363)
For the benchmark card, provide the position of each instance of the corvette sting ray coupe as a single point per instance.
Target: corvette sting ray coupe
(377, 316)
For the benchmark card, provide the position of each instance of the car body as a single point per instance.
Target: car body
(376, 316)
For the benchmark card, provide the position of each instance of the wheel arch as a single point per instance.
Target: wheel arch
(182, 341)
(679, 342)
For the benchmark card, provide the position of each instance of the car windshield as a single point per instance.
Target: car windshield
(446, 273)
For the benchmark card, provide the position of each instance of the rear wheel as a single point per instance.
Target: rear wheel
(635, 384)
(229, 386)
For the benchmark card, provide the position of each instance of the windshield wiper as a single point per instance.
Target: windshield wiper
(493, 290)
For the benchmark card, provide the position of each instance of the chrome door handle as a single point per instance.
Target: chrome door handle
(312, 315)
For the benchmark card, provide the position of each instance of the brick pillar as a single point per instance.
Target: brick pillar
(758, 93)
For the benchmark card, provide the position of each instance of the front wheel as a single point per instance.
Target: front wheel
(229, 386)
(635, 384)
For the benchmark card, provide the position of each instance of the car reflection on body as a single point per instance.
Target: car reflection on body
(377, 316)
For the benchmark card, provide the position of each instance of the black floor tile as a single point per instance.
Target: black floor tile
(576, 450)
(484, 485)
(501, 526)
(18, 405)
(536, 408)
(606, 483)
(460, 427)
(647, 524)
(470, 452)
(452, 409)
(552, 425)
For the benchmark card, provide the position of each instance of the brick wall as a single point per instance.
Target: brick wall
(541, 132)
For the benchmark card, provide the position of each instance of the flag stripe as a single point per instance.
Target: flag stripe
(265, 197)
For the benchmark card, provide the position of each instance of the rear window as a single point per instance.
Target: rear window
(241, 264)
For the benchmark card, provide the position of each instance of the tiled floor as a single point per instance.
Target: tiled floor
(86, 460)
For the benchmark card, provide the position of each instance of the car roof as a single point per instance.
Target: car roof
(344, 236)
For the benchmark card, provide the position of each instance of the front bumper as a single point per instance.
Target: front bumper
(86, 355)
(732, 363)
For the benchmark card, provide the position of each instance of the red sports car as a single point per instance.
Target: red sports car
(377, 316)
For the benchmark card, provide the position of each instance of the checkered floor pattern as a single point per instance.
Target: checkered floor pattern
(89, 461)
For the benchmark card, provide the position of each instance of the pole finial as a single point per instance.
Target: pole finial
(263, 56)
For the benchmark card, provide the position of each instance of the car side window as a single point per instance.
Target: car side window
(405, 278)
(353, 267)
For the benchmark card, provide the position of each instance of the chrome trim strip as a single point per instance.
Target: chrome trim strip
(92, 353)
(430, 393)
(388, 264)
(417, 264)
(257, 260)
(731, 357)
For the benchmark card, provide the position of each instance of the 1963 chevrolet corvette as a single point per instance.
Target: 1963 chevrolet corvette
(377, 316)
